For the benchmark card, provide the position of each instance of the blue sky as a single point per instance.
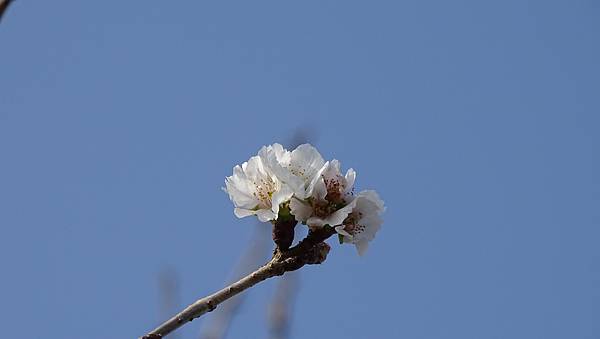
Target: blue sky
(476, 121)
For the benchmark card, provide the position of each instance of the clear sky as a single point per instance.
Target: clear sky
(478, 122)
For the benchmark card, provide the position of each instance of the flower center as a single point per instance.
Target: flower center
(351, 224)
(323, 208)
(334, 190)
(264, 189)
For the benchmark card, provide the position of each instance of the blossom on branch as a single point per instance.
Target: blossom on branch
(363, 220)
(255, 190)
(278, 184)
(328, 193)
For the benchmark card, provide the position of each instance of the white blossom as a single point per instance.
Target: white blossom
(328, 193)
(254, 189)
(316, 192)
(329, 183)
(363, 221)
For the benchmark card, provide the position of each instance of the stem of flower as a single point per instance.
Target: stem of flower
(283, 232)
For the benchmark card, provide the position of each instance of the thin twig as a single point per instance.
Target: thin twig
(311, 250)
(3, 6)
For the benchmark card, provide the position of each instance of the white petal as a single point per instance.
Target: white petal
(240, 198)
(334, 219)
(337, 217)
(301, 210)
(373, 197)
(297, 168)
(276, 150)
(330, 172)
(277, 159)
(308, 156)
(372, 224)
(266, 215)
(282, 195)
(253, 168)
(317, 188)
(254, 189)
(333, 169)
(340, 229)
(305, 162)
(240, 212)
(369, 206)
(296, 184)
(350, 178)
(370, 210)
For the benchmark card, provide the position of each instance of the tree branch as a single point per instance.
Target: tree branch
(3, 6)
(310, 251)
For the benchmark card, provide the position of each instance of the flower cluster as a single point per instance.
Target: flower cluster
(276, 183)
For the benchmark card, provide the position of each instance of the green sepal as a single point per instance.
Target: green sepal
(284, 212)
(340, 238)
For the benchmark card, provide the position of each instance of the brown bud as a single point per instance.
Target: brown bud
(283, 232)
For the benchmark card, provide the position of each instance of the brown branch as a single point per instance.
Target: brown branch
(310, 251)
(3, 6)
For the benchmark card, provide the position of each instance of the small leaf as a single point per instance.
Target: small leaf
(340, 238)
